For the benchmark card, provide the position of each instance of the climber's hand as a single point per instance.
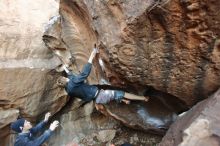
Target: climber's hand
(95, 50)
(54, 125)
(47, 116)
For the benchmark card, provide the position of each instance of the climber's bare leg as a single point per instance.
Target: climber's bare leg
(126, 101)
(135, 97)
(99, 106)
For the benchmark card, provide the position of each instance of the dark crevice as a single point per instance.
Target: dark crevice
(172, 102)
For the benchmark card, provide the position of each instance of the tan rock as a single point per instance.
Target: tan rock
(27, 79)
(198, 127)
(80, 126)
(8, 116)
(169, 45)
(197, 134)
(106, 135)
(172, 46)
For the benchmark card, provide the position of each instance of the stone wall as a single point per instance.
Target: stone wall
(168, 47)
(26, 66)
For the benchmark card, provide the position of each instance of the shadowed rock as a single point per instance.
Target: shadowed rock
(152, 116)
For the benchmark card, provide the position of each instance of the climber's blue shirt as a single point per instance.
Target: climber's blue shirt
(28, 139)
(77, 87)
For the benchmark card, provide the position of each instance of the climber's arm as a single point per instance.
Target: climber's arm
(86, 69)
(40, 140)
(95, 50)
(38, 127)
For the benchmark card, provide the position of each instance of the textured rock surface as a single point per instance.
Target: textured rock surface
(6, 117)
(26, 79)
(169, 45)
(172, 46)
(198, 127)
(81, 124)
(152, 116)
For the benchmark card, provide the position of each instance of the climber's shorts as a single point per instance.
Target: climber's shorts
(105, 96)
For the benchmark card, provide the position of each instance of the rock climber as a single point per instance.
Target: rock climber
(75, 86)
(27, 133)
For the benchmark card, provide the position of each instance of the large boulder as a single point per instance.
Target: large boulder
(82, 125)
(27, 85)
(172, 46)
(198, 127)
(153, 116)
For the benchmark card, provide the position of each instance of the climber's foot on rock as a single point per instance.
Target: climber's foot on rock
(146, 98)
(126, 101)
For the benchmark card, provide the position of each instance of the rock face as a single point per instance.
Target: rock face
(152, 116)
(172, 46)
(27, 75)
(198, 127)
(7, 116)
(26, 78)
(82, 125)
